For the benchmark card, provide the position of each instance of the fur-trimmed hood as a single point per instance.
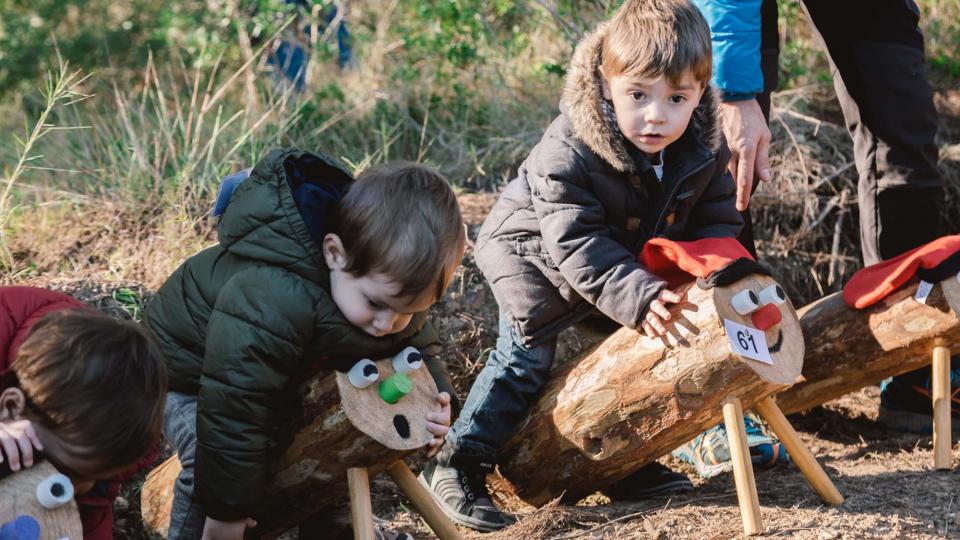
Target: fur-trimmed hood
(583, 104)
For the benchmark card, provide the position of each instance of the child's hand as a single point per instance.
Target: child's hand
(17, 441)
(438, 423)
(653, 323)
(214, 529)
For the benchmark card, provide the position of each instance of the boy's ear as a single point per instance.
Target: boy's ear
(12, 404)
(333, 252)
(604, 85)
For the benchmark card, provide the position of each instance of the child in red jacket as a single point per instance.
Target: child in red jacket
(80, 389)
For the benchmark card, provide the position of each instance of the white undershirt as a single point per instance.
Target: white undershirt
(658, 167)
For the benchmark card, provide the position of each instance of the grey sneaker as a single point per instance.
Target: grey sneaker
(458, 483)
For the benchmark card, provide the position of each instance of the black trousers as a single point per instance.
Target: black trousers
(876, 58)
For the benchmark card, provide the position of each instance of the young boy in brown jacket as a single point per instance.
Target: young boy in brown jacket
(635, 153)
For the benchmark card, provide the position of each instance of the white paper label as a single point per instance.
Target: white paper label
(748, 342)
(923, 291)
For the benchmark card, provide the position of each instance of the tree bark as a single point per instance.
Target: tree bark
(848, 348)
(312, 471)
(632, 399)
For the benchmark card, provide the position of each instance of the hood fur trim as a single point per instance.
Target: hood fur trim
(583, 99)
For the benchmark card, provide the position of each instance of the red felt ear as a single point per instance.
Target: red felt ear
(875, 282)
(682, 262)
(766, 317)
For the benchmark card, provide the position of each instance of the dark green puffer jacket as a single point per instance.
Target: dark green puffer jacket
(243, 321)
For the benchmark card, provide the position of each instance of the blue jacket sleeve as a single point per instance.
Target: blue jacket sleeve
(735, 33)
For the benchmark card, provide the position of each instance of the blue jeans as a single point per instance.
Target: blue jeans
(187, 517)
(510, 382)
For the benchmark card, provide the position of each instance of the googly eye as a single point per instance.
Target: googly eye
(408, 360)
(745, 302)
(363, 373)
(54, 491)
(772, 295)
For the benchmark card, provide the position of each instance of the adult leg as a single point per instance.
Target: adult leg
(879, 76)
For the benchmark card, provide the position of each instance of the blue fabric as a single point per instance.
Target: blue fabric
(499, 399)
(316, 184)
(735, 33)
(291, 55)
(227, 186)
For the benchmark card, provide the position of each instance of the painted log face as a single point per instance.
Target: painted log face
(19, 498)
(631, 398)
(340, 426)
(850, 348)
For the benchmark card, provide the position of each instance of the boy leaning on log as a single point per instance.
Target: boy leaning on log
(635, 153)
(311, 264)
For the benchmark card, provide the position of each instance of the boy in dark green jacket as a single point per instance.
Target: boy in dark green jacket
(311, 264)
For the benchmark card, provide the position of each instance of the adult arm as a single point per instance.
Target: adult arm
(735, 27)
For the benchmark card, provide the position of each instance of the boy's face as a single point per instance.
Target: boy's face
(370, 302)
(651, 112)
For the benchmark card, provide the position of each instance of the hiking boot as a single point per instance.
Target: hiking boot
(709, 452)
(909, 407)
(651, 480)
(458, 483)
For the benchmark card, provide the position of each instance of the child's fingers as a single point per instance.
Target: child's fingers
(9, 447)
(32, 434)
(443, 399)
(667, 295)
(657, 308)
(438, 430)
(655, 323)
(26, 450)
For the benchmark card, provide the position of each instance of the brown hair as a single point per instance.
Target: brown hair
(402, 220)
(96, 382)
(650, 38)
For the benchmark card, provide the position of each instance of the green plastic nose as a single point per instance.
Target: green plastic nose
(395, 387)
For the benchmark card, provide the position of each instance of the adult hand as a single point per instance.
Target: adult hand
(214, 529)
(749, 140)
(438, 423)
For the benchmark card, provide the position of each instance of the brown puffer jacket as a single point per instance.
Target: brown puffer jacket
(563, 237)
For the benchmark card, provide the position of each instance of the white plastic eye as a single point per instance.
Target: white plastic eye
(363, 373)
(772, 295)
(54, 491)
(408, 360)
(745, 302)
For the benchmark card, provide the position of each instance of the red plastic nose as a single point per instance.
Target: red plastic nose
(766, 317)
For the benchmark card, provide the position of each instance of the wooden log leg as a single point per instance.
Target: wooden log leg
(942, 440)
(742, 467)
(361, 509)
(424, 503)
(799, 452)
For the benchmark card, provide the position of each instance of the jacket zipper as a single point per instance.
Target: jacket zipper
(673, 193)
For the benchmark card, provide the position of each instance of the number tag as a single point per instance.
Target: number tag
(748, 342)
(923, 291)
